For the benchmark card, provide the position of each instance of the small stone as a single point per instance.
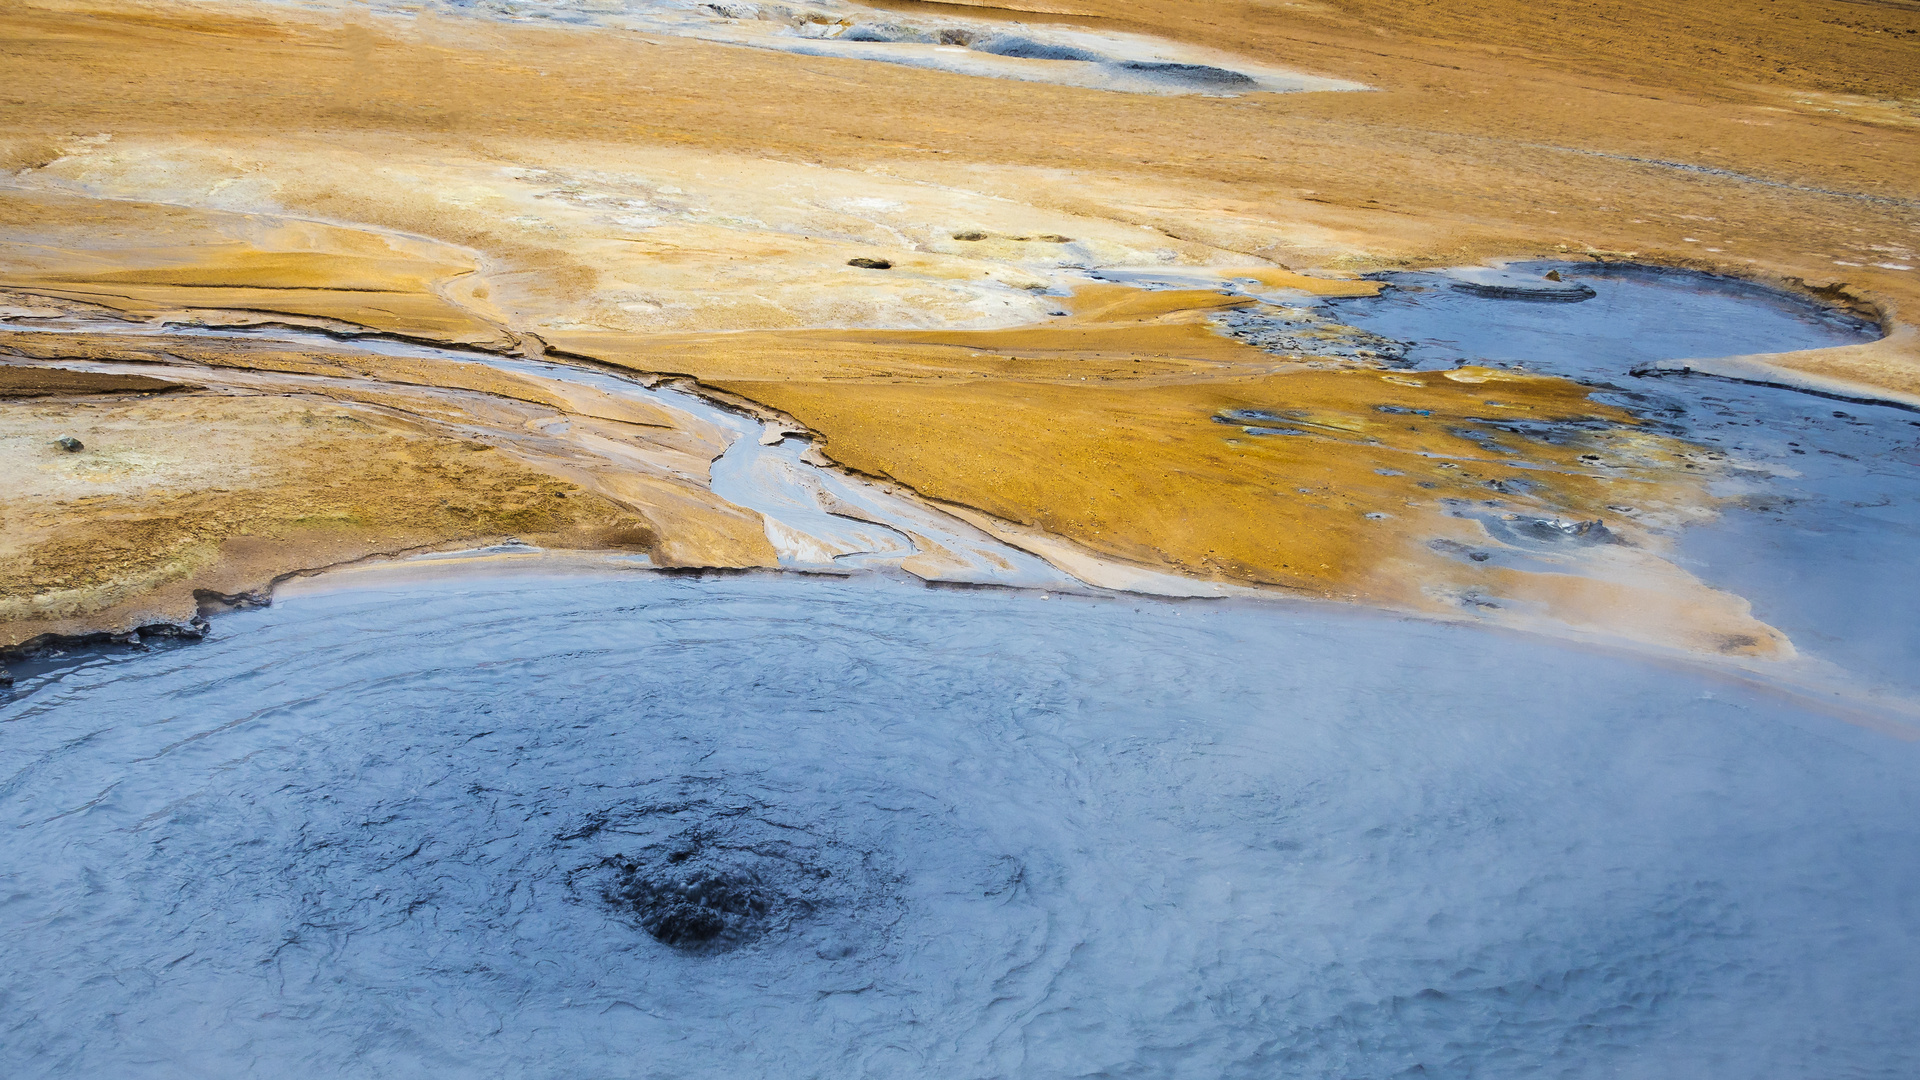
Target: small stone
(970, 234)
(70, 444)
(870, 264)
(1553, 275)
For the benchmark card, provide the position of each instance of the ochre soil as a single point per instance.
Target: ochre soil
(451, 180)
(274, 484)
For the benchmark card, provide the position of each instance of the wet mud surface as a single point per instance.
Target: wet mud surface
(775, 827)
(1820, 500)
(1594, 322)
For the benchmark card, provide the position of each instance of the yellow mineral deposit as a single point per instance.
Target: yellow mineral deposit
(931, 266)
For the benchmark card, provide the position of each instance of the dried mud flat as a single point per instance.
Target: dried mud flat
(985, 281)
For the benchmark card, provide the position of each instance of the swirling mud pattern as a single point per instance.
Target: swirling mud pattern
(971, 540)
(627, 824)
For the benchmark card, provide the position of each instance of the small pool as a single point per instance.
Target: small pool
(634, 825)
(1820, 520)
(1631, 315)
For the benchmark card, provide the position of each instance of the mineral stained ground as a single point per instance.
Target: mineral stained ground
(987, 256)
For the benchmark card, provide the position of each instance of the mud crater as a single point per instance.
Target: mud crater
(718, 871)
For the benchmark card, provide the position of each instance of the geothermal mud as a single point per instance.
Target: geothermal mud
(656, 186)
(1542, 705)
(1567, 502)
(776, 826)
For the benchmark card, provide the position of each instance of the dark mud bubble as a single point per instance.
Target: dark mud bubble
(766, 827)
(708, 870)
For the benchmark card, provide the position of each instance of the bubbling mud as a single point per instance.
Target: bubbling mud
(764, 826)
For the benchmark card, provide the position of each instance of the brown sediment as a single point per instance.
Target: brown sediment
(1311, 487)
(147, 260)
(623, 198)
(1105, 429)
(25, 382)
(222, 491)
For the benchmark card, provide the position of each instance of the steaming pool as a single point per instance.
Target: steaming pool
(523, 817)
(630, 824)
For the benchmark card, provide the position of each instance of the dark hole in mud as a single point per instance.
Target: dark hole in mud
(704, 876)
(690, 905)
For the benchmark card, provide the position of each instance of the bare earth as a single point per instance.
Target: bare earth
(682, 205)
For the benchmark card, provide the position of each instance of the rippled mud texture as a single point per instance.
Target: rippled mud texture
(388, 832)
(704, 870)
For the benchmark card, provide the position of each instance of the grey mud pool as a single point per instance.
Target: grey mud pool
(630, 824)
(1819, 523)
(594, 821)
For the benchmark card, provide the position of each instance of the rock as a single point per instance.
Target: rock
(970, 234)
(1511, 285)
(70, 444)
(6, 677)
(870, 264)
